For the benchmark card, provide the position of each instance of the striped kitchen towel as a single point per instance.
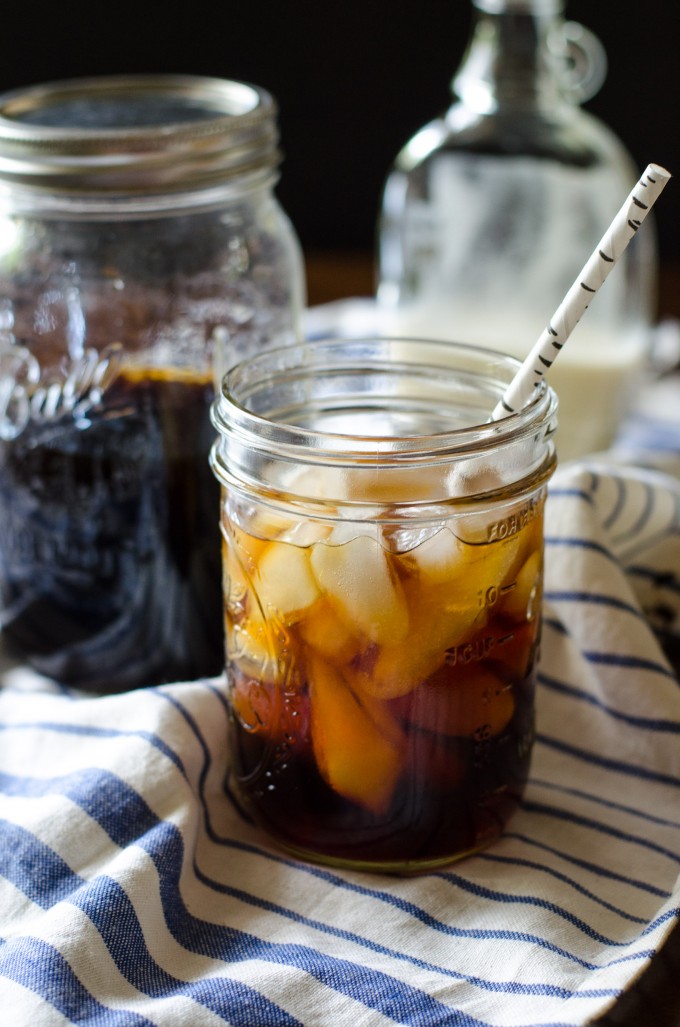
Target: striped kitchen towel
(132, 893)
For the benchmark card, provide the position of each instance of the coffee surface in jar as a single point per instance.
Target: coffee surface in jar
(142, 251)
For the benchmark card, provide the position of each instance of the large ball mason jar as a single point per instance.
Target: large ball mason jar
(142, 250)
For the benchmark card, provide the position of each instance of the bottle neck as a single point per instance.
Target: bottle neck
(510, 62)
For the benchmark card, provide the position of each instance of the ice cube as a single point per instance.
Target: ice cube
(304, 532)
(323, 630)
(474, 477)
(519, 601)
(286, 585)
(440, 557)
(357, 578)
(359, 757)
(316, 482)
(397, 484)
(468, 571)
(249, 648)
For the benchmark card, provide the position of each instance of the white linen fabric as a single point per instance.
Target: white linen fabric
(132, 893)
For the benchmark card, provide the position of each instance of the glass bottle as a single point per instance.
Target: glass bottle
(142, 251)
(491, 211)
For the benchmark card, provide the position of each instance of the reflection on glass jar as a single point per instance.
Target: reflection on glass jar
(142, 251)
(383, 559)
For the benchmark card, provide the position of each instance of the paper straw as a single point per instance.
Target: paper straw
(575, 303)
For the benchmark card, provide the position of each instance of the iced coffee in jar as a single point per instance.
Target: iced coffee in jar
(382, 552)
(142, 249)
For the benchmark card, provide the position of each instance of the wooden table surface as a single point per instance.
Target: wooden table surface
(338, 275)
(654, 999)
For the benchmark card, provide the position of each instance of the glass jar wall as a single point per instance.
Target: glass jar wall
(142, 251)
(383, 555)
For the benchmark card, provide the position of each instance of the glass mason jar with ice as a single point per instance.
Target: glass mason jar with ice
(382, 575)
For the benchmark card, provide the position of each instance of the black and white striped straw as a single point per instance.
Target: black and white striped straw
(575, 303)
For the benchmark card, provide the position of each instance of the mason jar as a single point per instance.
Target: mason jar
(382, 550)
(142, 251)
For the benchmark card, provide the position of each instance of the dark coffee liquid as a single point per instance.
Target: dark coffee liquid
(109, 544)
(453, 797)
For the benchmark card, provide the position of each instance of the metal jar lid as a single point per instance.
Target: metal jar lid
(135, 134)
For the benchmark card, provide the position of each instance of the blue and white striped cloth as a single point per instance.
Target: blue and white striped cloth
(132, 894)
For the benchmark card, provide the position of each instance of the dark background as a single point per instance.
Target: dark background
(353, 80)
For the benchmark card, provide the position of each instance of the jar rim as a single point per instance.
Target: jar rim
(309, 360)
(139, 133)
